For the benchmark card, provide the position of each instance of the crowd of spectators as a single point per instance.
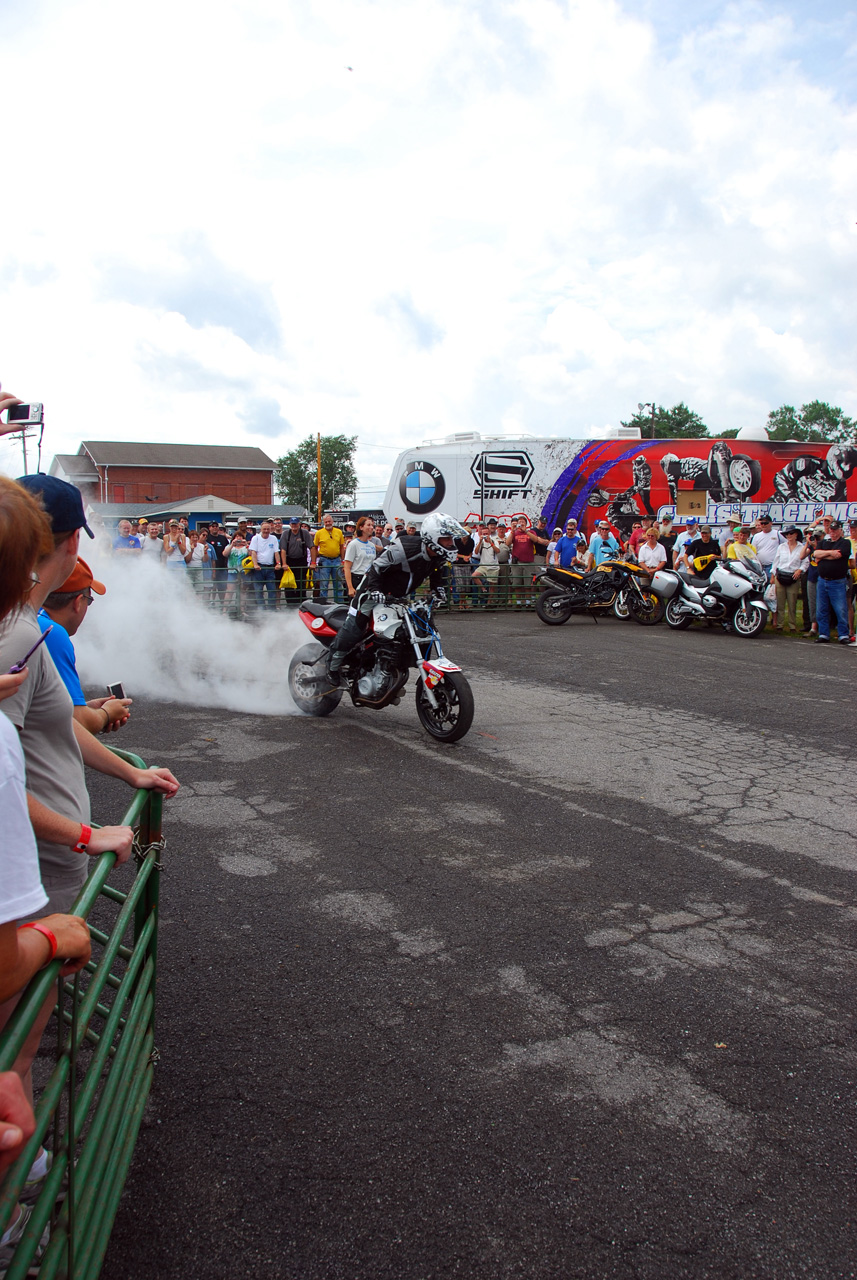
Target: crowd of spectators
(499, 562)
(48, 733)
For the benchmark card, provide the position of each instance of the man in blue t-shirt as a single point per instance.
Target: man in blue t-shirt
(125, 541)
(64, 611)
(566, 546)
(602, 545)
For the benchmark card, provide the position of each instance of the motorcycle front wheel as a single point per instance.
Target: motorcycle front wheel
(453, 715)
(307, 678)
(749, 620)
(676, 617)
(647, 609)
(620, 606)
(554, 607)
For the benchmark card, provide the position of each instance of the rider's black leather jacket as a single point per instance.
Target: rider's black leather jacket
(402, 567)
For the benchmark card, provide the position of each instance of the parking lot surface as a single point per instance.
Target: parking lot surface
(571, 998)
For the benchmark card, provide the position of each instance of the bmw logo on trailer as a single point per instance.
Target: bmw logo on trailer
(422, 487)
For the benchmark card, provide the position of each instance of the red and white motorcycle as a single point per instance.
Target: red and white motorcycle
(376, 671)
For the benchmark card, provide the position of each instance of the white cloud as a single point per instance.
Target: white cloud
(533, 214)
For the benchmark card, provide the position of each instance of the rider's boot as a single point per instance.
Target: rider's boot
(349, 634)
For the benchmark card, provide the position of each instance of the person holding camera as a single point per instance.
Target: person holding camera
(176, 551)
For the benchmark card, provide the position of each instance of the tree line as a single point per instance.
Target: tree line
(815, 421)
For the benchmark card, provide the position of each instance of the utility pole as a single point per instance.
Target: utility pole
(648, 405)
(318, 471)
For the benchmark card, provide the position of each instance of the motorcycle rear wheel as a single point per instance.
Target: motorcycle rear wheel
(675, 617)
(454, 714)
(749, 621)
(554, 607)
(306, 680)
(647, 609)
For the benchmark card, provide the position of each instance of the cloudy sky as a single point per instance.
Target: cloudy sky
(246, 223)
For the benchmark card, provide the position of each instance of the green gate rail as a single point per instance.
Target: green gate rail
(92, 1105)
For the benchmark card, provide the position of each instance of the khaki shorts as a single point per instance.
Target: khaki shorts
(490, 572)
(62, 891)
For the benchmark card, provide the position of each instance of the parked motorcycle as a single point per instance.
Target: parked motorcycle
(733, 595)
(620, 584)
(376, 670)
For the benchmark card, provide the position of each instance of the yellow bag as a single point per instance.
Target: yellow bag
(247, 564)
(288, 579)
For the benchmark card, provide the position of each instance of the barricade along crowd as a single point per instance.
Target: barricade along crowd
(811, 572)
(48, 733)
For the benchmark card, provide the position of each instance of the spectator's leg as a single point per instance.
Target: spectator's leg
(338, 582)
(822, 608)
(322, 578)
(792, 594)
(837, 590)
(812, 596)
(804, 595)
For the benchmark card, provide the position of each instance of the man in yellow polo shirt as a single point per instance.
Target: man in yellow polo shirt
(326, 558)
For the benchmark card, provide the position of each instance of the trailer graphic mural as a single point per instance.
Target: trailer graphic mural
(625, 480)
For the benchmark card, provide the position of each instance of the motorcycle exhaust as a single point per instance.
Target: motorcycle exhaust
(386, 698)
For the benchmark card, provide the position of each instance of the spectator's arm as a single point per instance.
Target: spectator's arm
(23, 952)
(96, 756)
(55, 829)
(103, 715)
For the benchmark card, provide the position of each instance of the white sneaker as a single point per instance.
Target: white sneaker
(14, 1234)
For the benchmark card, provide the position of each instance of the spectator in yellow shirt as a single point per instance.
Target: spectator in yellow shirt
(742, 548)
(327, 551)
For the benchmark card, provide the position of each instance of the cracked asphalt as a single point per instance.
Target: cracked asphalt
(571, 998)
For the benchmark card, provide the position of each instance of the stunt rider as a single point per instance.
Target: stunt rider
(397, 571)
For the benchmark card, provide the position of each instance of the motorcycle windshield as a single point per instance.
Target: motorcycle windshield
(747, 567)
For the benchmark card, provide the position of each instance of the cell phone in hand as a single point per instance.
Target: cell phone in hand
(116, 690)
(19, 666)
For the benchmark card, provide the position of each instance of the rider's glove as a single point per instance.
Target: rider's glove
(439, 595)
(377, 597)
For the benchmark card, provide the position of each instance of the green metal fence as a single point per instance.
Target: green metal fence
(241, 597)
(89, 1110)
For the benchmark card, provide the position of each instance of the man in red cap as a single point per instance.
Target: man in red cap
(63, 611)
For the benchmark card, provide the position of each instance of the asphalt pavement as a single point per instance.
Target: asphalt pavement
(571, 998)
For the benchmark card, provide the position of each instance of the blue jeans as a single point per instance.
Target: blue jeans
(832, 591)
(265, 582)
(330, 570)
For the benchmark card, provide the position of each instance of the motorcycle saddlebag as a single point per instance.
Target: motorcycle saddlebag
(664, 584)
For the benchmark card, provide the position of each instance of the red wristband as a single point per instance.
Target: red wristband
(85, 837)
(43, 928)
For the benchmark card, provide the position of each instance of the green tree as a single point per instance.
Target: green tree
(815, 421)
(679, 422)
(295, 477)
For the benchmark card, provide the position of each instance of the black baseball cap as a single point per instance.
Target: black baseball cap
(61, 501)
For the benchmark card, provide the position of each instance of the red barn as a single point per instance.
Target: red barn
(118, 471)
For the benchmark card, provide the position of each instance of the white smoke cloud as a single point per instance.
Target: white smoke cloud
(161, 641)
